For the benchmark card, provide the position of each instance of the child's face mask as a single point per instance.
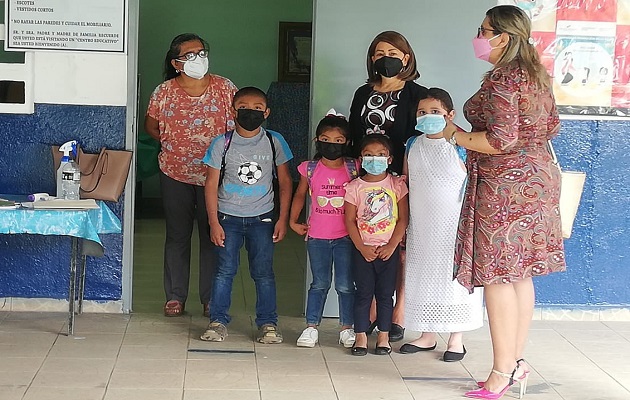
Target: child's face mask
(375, 165)
(330, 150)
(249, 119)
(431, 123)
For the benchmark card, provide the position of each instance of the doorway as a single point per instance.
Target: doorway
(246, 60)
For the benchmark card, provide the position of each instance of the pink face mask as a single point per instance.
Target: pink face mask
(482, 47)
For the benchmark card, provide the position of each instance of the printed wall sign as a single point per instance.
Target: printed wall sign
(62, 25)
(585, 46)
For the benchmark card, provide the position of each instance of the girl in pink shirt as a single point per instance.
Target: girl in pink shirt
(324, 179)
(377, 214)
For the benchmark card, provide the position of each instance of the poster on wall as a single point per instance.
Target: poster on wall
(66, 25)
(585, 46)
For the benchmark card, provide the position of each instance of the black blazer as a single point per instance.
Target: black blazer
(404, 120)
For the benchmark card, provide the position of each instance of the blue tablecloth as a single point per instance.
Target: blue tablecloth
(85, 224)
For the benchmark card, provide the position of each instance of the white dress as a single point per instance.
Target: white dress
(434, 302)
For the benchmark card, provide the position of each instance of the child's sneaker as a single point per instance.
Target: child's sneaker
(347, 338)
(269, 334)
(216, 332)
(308, 338)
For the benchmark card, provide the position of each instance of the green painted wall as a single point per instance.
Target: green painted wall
(243, 39)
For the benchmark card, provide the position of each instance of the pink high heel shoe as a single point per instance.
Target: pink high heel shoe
(521, 380)
(485, 394)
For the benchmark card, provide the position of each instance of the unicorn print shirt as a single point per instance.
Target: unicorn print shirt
(377, 207)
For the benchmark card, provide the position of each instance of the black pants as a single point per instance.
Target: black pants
(183, 204)
(376, 279)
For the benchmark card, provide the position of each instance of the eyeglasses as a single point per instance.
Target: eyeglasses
(190, 56)
(481, 31)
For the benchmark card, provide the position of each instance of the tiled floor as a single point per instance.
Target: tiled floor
(145, 356)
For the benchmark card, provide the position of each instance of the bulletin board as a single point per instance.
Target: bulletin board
(585, 46)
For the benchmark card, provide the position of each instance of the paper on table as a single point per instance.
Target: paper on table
(7, 205)
(63, 204)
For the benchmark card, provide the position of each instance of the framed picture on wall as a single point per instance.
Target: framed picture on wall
(294, 52)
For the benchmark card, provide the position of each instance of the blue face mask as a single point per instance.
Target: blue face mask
(526, 5)
(374, 165)
(431, 123)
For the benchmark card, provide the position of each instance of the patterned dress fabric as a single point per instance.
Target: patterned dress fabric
(379, 111)
(434, 302)
(188, 124)
(510, 221)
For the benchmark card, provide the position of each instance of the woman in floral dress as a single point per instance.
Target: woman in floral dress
(509, 229)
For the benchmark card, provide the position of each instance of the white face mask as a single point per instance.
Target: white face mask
(196, 68)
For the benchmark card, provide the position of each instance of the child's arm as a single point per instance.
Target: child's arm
(217, 235)
(368, 252)
(462, 166)
(405, 169)
(286, 187)
(385, 252)
(296, 207)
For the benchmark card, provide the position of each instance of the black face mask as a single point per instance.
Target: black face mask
(388, 66)
(331, 151)
(248, 119)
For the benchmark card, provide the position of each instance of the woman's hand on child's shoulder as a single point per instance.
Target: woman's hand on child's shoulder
(300, 229)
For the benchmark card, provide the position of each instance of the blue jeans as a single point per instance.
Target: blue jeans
(257, 234)
(323, 253)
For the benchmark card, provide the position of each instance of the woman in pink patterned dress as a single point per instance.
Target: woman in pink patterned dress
(185, 113)
(509, 228)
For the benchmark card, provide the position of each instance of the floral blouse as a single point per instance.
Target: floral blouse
(188, 124)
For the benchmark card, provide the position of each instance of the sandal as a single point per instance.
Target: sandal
(173, 308)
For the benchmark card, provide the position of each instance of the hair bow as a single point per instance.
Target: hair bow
(333, 113)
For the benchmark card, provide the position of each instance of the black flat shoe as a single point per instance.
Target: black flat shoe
(450, 356)
(409, 348)
(382, 350)
(371, 328)
(396, 333)
(358, 351)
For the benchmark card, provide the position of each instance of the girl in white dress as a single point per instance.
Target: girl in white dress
(434, 301)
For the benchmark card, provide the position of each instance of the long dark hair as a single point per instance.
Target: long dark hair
(173, 52)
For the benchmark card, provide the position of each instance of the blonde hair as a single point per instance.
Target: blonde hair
(514, 22)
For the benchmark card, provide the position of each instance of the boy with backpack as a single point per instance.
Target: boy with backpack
(243, 165)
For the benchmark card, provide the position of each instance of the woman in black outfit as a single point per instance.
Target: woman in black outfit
(387, 104)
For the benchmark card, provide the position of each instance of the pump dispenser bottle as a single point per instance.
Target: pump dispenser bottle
(68, 174)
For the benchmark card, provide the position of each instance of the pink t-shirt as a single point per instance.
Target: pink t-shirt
(326, 220)
(377, 207)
